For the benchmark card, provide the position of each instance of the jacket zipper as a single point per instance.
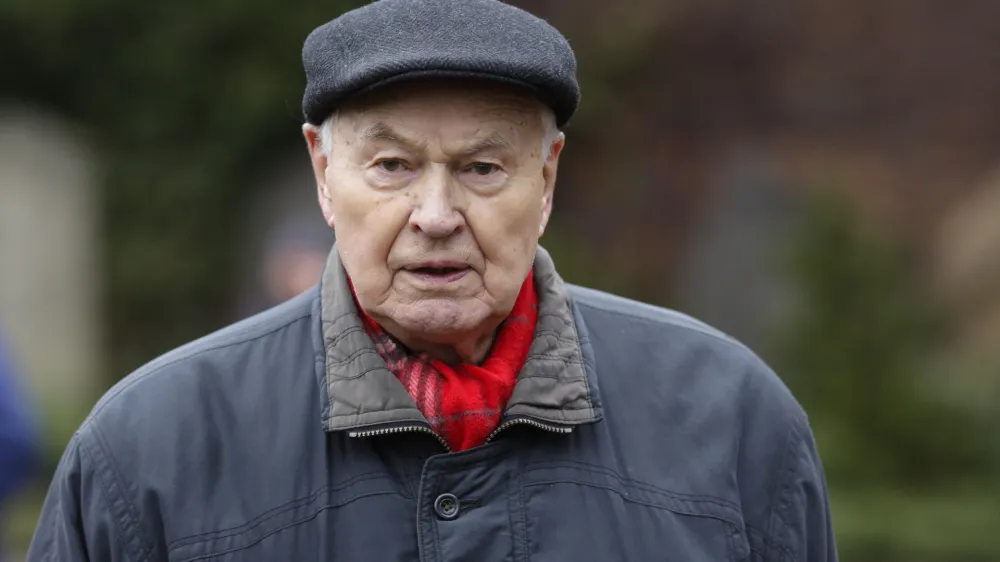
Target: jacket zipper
(401, 429)
(424, 429)
(531, 422)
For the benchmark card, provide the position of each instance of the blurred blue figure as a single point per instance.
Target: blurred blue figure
(18, 441)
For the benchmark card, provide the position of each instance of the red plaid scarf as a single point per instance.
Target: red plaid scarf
(463, 403)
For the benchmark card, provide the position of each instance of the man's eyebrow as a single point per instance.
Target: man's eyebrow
(379, 131)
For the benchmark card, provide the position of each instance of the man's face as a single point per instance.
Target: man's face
(438, 193)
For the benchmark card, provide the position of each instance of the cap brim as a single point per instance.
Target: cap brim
(416, 75)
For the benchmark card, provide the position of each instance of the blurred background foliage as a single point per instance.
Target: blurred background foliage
(913, 476)
(186, 100)
(860, 360)
(189, 104)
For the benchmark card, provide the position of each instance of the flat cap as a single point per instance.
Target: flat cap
(393, 40)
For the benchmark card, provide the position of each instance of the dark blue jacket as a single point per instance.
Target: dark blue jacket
(18, 445)
(633, 433)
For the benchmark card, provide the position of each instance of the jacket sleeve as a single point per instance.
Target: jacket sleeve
(18, 442)
(800, 523)
(85, 516)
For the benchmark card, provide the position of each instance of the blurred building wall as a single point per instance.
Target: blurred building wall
(49, 259)
(890, 102)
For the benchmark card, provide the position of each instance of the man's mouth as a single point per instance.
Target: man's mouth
(438, 272)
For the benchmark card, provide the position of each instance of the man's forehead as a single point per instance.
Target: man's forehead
(470, 140)
(472, 125)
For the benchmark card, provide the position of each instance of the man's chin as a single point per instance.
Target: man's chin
(442, 320)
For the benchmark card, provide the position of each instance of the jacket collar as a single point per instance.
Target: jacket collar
(361, 393)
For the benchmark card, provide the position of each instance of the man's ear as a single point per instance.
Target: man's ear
(319, 159)
(549, 173)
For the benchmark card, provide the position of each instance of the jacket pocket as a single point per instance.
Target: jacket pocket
(339, 522)
(583, 512)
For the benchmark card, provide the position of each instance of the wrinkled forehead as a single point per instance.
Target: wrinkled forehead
(446, 107)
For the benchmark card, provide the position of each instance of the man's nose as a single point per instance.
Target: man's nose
(436, 212)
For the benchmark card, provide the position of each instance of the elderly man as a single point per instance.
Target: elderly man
(443, 395)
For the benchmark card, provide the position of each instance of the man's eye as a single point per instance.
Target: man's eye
(484, 168)
(391, 165)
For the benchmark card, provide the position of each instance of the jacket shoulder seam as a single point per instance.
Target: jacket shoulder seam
(777, 512)
(155, 368)
(48, 547)
(126, 518)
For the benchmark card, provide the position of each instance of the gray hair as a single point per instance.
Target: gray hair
(548, 123)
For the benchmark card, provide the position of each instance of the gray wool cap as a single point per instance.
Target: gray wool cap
(393, 40)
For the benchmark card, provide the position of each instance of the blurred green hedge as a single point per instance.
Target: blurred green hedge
(913, 476)
(185, 100)
(861, 357)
